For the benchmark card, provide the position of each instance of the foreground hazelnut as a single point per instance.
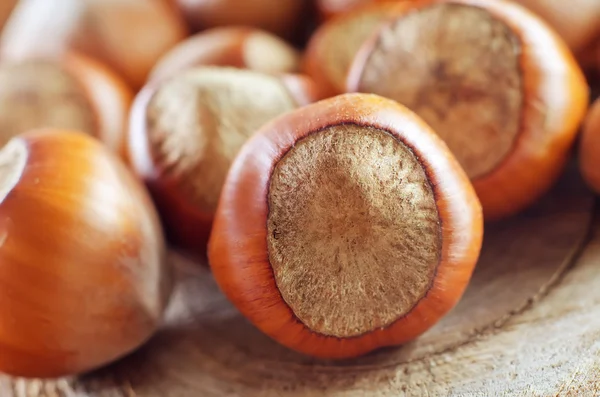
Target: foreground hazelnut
(74, 93)
(185, 132)
(281, 17)
(240, 47)
(589, 156)
(345, 226)
(334, 45)
(82, 259)
(129, 35)
(499, 87)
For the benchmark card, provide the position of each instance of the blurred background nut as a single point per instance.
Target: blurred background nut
(241, 47)
(185, 132)
(496, 84)
(72, 92)
(282, 17)
(129, 35)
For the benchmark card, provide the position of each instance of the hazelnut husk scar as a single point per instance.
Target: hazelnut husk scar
(345, 226)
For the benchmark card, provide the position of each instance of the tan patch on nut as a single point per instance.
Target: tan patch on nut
(458, 68)
(353, 230)
(199, 120)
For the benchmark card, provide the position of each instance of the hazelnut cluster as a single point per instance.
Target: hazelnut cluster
(333, 160)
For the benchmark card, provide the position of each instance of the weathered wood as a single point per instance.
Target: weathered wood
(526, 326)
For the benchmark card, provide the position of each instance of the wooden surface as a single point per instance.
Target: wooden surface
(527, 326)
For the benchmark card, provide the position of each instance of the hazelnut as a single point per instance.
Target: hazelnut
(185, 132)
(128, 35)
(73, 93)
(499, 87)
(345, 226)
(82, 260)
(240, 47)
(281, 17)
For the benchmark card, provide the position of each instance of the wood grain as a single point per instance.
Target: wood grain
(524, 327)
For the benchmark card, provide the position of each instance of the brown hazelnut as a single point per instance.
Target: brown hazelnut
(82, 261)
(576, 21)
(72, 93)
(331, 8)
(334, 45)
(345, 226)
(186, 131)
(282, 17)
(493, 80)
(128, 35)
(241, 47)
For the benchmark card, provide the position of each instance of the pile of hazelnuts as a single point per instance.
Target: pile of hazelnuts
(333, 160)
